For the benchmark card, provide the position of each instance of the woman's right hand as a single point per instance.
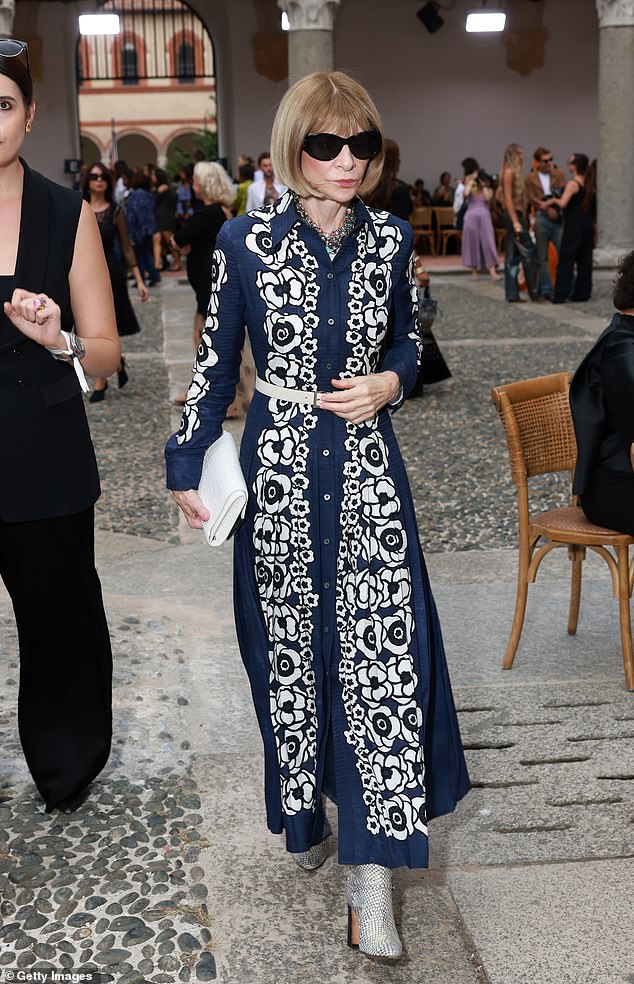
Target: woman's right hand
(193, 508)
(36, 316)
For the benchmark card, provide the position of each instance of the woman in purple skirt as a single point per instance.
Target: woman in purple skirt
(479, 250)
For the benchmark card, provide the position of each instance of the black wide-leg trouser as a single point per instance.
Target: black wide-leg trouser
(65, 696)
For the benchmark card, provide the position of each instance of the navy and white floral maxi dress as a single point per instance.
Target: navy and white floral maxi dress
(335, 619)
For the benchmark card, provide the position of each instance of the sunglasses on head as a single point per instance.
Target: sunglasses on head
(327, 146)
(9, 48)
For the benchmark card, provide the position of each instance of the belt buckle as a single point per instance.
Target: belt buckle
(315, 401)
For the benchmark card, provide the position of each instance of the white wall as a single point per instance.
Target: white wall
(449, 95)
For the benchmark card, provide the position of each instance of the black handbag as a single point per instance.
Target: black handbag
(433, 368)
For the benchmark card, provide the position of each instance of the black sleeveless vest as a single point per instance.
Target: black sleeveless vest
(48, 464)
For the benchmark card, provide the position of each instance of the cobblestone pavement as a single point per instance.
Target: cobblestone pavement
(167, 874)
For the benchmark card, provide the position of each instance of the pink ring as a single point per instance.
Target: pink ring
(39, 303)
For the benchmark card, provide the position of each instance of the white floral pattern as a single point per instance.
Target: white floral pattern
(206, 358)
(374, 612)
(282, 529)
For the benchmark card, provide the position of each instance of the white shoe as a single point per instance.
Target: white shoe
(371, 924)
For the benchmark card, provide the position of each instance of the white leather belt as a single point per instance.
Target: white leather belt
(283, 393)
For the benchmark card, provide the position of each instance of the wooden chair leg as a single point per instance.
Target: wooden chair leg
(577, 556)
(518, 617)
(624, 613)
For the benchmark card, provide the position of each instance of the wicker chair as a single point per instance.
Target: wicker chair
(445, 229)
(537, 420)
(421, 222)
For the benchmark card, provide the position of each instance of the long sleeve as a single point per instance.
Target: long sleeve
(617, 375)
(202, 227)
(254, 196)
(403, 355)
(216, 370)
(132, 218)
(122, 231)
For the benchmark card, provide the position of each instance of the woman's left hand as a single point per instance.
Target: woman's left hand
(36, 316)
(143, 291)
(360, 398)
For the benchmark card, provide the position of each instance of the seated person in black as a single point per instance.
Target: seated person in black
(601, 398)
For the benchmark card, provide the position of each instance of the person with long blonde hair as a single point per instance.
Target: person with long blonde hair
(519, 245)
(335, 619)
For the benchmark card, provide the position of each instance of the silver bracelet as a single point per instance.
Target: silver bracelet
(75, 348)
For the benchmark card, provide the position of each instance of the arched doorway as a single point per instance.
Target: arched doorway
(136, 150)
(152, 85)
(90, 152)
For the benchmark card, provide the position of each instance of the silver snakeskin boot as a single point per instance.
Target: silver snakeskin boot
(315, 856)
(371, 924)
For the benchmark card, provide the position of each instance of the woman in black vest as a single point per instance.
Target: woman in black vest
(57, 319)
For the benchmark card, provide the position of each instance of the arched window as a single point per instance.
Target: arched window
(185, 62)
(129, 64)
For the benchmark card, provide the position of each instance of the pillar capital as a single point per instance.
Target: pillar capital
(310, 15)
(615, 13)
(7, 10)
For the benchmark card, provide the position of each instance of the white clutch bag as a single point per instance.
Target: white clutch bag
(222, 489)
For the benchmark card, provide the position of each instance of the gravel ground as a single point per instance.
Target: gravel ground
(129, 430)
(452, 439)
(117, 887)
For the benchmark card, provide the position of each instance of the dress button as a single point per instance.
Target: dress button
(329, 365)
(330, 276)
(326, 541)
(326, 628)
(326, 584)
(325, 452)
(331, 321)
(327, 497)
(17, 351)
(21, 383)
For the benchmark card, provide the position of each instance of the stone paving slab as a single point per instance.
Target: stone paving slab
(551, 924)
(281, 925)
(552, 768)
(545, 651)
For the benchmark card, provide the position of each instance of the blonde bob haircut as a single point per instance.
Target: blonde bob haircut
(214, 182)
(323, 102)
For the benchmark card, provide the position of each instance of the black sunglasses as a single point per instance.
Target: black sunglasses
(97, 176)
(327, 146)
(546, 160)
(9, 48)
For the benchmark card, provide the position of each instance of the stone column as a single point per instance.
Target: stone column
(615, 193)
(7, 9)
(310, 44)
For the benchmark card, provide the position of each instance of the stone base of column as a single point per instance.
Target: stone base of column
(309, 51)
(608, 256)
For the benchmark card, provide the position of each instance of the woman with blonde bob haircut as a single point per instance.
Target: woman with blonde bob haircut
(334, 614)
(328, 103)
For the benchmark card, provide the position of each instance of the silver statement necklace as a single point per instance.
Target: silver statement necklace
(331, 240)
